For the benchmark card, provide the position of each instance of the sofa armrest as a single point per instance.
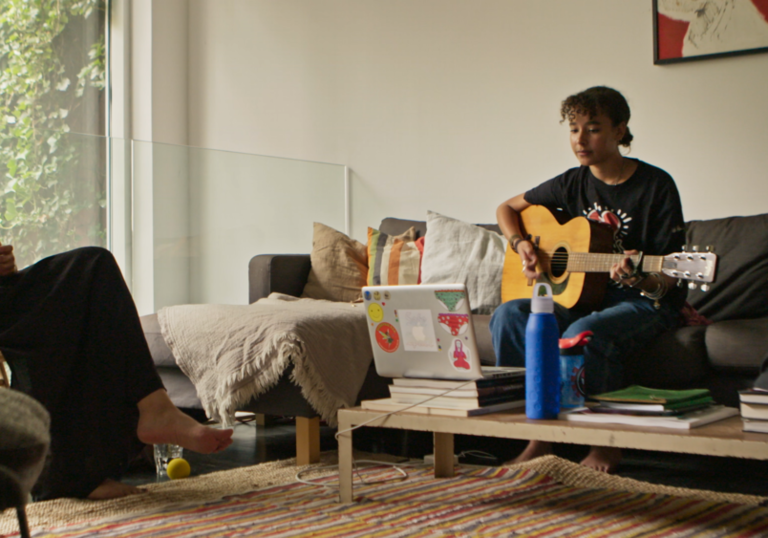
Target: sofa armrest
(282, 273)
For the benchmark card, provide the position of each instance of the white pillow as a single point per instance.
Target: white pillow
(459, 252)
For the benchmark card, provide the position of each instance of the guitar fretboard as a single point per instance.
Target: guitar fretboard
(589, 262)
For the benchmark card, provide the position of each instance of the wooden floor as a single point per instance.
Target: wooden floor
(277, 441)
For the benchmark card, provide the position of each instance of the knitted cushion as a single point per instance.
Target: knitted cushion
(24, 435)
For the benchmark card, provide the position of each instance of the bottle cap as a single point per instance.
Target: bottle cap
(542, 301)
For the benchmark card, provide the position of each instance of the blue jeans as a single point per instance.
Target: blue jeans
(625, 321)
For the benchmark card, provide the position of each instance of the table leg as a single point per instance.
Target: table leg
(345, 460)
(307, 440)
(443, 444)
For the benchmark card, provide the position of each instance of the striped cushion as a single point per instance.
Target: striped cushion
(393, 259)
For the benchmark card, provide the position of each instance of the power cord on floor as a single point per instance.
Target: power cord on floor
(355, 470)
(396, 466)
(477, 454)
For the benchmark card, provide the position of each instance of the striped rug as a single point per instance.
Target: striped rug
(476, 502)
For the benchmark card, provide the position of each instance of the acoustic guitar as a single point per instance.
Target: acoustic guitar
(575, 258)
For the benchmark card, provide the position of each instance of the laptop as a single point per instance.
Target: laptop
(425, 331)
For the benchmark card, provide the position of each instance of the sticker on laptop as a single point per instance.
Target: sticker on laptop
(375, 312)
(387, 337)
(459, 355)
(455, 324)
(452, 299)
(417, 329)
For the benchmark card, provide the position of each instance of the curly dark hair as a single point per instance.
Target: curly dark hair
(597, 100)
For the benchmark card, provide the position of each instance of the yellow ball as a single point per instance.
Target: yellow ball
(178, 468)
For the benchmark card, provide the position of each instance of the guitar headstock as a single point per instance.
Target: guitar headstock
(694, 266)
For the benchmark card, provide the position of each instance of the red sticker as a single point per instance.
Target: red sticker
(387, 337)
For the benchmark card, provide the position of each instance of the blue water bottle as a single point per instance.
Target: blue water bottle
(572, 383)
(542, 357)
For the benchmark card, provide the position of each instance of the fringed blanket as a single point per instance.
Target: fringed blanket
(233, 353)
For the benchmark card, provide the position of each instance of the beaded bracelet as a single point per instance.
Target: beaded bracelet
(515, 240)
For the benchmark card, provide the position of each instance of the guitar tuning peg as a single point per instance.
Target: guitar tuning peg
(691, 285)
(685, 248)
(710, 248)
(695, 248)
(680, 283)
(704, 287)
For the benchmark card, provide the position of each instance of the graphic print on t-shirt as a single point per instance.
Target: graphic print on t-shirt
(617, 220)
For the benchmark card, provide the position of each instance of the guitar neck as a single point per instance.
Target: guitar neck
(589, 262)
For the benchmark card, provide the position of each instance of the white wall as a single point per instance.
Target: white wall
(453, 105)
(157, 112)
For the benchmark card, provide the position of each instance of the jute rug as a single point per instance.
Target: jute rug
(546, 497)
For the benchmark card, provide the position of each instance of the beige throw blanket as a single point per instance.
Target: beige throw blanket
(233, 353)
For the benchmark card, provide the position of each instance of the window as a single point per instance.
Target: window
(52, 126)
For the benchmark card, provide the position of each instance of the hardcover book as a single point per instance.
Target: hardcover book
(638, 394)
(682, 422)
(387, 405)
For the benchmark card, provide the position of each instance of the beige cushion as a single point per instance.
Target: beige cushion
(339, 266)
(459, 252)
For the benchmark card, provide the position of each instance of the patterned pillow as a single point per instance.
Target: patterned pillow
(339, 266)
(393, 259)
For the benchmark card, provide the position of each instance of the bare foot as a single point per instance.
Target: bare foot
(603, 458)
(162, 422)
(534, 450)
(111, 489)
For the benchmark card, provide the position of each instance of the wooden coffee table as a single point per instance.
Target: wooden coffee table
(723, 438)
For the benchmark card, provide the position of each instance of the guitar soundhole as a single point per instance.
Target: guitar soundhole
(559, 263)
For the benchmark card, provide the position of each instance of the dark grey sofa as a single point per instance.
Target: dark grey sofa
(724, 356)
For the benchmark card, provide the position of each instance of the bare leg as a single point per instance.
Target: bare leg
(111, 489)
(162, 422)
(534, 450)
(603, 458)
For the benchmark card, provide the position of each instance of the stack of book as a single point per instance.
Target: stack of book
(491, 394)
(641, 406)
(754, 410)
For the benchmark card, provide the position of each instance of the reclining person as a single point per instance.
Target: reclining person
(72, 337)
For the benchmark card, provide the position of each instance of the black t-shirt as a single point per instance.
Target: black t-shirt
(645, 211)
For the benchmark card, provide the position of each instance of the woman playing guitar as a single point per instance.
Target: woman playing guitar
(640, 202)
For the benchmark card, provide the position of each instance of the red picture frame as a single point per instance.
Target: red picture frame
(686, 30)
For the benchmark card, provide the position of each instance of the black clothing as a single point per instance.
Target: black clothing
(645, 211)
(71, 334)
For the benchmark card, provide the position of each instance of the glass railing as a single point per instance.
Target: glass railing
(184, 222)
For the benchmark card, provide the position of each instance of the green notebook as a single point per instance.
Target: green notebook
(638, 394)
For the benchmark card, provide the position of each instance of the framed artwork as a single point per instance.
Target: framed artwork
(685, 30)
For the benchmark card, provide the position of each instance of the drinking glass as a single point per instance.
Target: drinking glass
(165, 453)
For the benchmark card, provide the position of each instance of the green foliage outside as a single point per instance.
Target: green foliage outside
(52, 77)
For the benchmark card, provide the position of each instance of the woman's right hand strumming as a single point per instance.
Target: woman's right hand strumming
(508, 218)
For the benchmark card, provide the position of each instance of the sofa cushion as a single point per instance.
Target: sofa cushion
(161, 353)
(395, 226)
(393, 259)
(742, 267)
(339, 266)
(459, 252)
(738, 344)
(481, 323)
